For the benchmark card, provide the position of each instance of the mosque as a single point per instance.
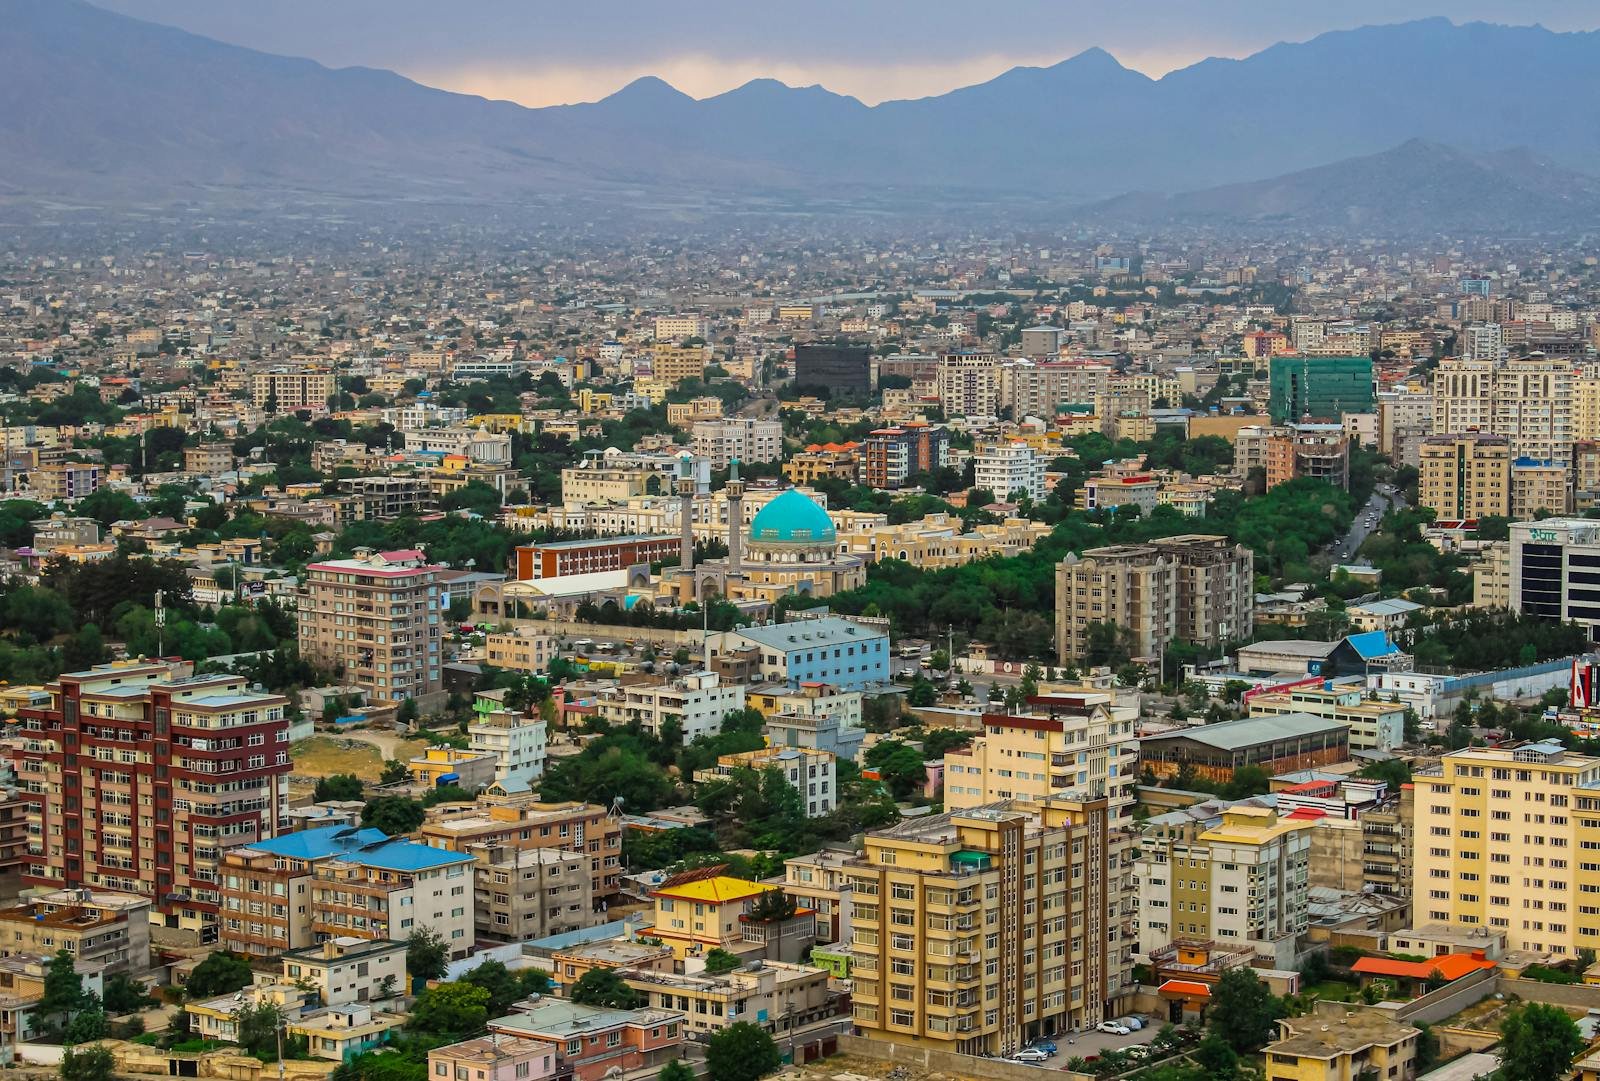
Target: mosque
(791, 547)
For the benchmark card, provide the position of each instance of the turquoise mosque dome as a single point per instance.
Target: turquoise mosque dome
(792, 518)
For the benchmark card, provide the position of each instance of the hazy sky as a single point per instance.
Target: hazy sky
(541, 52)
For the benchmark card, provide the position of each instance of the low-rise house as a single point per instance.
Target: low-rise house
(339, 1033)
(1336, 1042)
(494, 1057)
(346, 970)
(95, 926)
(776, 996)
(810, 773)
(592, 1041)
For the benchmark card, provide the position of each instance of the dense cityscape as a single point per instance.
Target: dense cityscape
(866, 649)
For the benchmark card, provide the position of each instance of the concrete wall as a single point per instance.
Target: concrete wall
(1576, 995)
(1450, 999)
(947, 1062)
(604, 632)
(1453, 1041)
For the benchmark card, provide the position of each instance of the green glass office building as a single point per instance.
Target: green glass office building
(1319, 388)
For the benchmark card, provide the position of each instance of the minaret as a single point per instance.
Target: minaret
(735, 491)
(686, 520)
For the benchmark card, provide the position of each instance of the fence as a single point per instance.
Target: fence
(1451, 999)
(1576, 995)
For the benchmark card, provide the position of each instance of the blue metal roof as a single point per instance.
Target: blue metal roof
(1372, 644)
(371, 847)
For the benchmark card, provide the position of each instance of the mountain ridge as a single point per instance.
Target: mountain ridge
(153, 115)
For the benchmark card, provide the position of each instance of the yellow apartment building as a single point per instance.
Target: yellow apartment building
(1465, 476)
(976, 930)
(1508, 839)
(1082, 742)
(696, 913)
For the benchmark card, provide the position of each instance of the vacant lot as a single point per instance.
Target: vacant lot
(323, 756)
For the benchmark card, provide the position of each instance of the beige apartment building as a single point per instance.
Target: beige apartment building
(673, 363)
(530, 893)
(1239, 877)
(1540, 486)
(1503, 843)
(745, 438)
(289, 391)
(1529, 400)
(525, 823)
(1082, 744)
(97, 927)
(976, 930)
(1196, 588)
(675, 328)
(379, 616)
(1466, 476)
(208, 459)
(969, 384)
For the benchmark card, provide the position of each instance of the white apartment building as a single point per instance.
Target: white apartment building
(745, 438)
(518, 743)
(813, 774)
(969, 384)
(1486, 341)
(1008, 468)
(698, 702)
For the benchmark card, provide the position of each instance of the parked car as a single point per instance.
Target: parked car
(1113, 1027)
(1030, 1054)
(1047, 1046)
(1131, 1022)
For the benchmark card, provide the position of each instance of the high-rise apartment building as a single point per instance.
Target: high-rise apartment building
(378, 616)
(140, 783)
(1238, 874)
(674, 363)
(1586, 405)
(1007, 469)
(675, 328)
(1035, 389)
(1503, 837)
(1079, 744)
(1529, 400)
(1465, 476)
(289, 391)
(977, 930)
(1319, 388)
(1486, 341)
(745, 438)
(696, 701)
(891, 456)
(1196, 588)
(969, 384)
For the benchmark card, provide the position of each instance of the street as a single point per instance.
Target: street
(1383, 499)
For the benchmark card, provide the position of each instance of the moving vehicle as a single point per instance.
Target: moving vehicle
(1030, 1054)
(1112, 1027)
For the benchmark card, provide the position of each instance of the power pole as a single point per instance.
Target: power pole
(161, 621)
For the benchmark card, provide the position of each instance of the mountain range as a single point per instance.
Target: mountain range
(1401, 125)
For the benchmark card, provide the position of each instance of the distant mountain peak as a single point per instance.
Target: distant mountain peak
(648, 88)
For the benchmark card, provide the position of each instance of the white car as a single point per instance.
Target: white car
(1030, 1054)
(1113, 1027)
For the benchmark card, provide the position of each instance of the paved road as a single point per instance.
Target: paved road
(1347, 546)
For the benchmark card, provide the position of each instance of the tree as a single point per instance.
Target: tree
(89, 1024)
(341, 786)
(407, 713)
(1537, 1042)
(741, 1052)
(1391, 771)
(719, 960)
(394, 771)
(1219, 1061)
(124, 994)
(427, 956)
(87, 1064)
(220, 974)
(900, 766)
(257, 1028)
(1247, 780)
(773, 906)
(676, 1070)
(503, 987)
(393, 815)
(1244, 1012)
(603, 987)
(450, 1011)
(63, 989)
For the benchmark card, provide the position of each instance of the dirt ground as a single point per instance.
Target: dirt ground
(323, 756)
